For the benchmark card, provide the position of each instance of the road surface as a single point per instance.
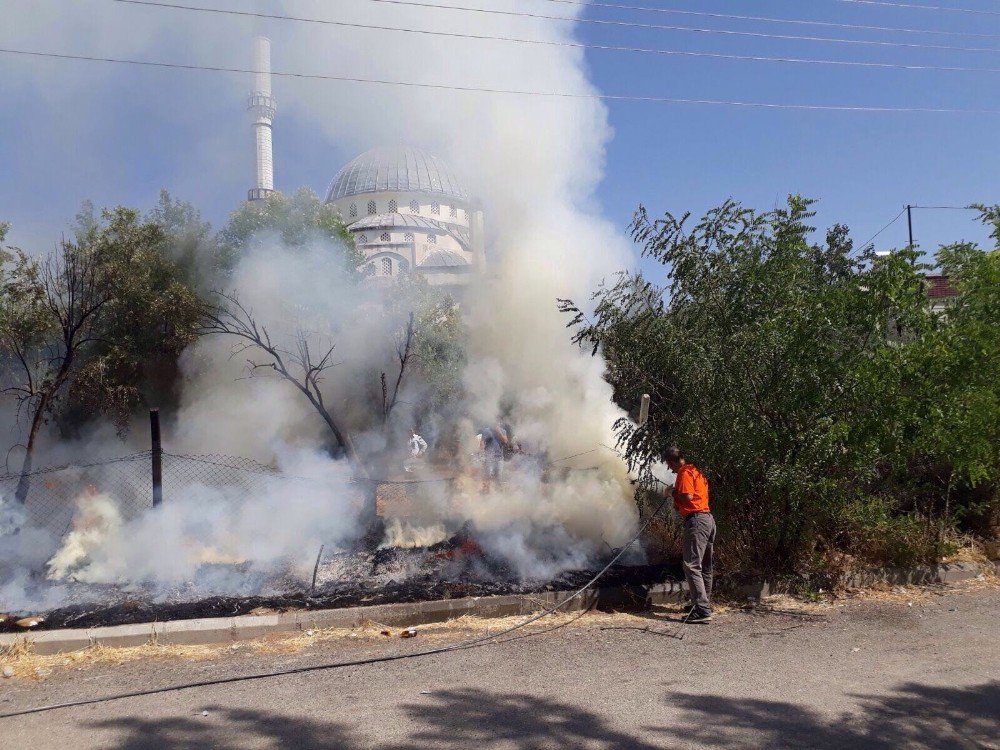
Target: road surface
(874, 674)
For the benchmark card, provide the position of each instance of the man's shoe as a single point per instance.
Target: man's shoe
(699, 615)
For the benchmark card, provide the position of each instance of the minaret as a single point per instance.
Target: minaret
(261, 107)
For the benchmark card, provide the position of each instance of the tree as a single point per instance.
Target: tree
(296, 219)
(756, 352)
(188, 241)
(940, 419)
(84, 319)
(439, 341)
(303, 362)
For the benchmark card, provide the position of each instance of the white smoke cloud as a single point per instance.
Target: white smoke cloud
(534, 162)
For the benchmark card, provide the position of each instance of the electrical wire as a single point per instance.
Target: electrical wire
(947, 208)
(472, 643)
(897, 216)
(667, 27)
(874, 236)
(511, 92)
(887, 4)
(771, 19)
(575, 45)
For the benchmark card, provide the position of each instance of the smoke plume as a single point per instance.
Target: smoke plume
(535, 164)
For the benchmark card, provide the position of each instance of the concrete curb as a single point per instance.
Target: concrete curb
(231, 629)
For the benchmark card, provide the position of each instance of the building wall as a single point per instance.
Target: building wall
(439, 208)
(394, 250)
(412, 245)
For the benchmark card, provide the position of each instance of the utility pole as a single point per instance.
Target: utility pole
(909, 222)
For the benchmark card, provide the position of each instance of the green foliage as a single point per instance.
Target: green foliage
(88, 318)
(439, 339)
(295, 219)
(188, 241)
(799, 376)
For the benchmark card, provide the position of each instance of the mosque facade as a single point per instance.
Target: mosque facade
(407, 211)
(405, 208)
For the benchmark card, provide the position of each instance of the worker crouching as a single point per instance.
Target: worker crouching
(690, 495)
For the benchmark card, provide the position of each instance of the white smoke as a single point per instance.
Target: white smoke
(274, 525)
(95, 523)
(534, 162)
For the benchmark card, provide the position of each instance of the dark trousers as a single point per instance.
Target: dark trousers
(699, 541)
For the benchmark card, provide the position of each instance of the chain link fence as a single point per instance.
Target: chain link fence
(53, 495)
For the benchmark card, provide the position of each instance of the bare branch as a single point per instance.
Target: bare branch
(232, 317)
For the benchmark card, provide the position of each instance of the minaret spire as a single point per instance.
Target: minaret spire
(262, 108)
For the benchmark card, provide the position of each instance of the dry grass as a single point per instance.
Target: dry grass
(970, 552)
(26, 664)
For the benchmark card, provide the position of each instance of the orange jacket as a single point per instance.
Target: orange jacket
(691, 482)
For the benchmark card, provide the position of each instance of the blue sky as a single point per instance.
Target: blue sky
(861, 167)
(117, 135)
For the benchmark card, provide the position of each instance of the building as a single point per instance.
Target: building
(407, 211)
(939, 291)
(405, 208)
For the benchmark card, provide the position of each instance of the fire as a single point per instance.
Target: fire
(96, 519)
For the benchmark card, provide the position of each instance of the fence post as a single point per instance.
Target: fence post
(644, 410)
(157, 455)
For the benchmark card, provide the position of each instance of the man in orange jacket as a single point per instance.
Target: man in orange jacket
(691, 501)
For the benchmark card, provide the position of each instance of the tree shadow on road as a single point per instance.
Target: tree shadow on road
(226, 729)
(912, 716)
(471, 718)
(451, 719)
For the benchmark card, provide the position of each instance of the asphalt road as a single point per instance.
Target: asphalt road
(874, 675)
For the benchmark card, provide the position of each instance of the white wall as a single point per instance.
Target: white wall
(426, 204)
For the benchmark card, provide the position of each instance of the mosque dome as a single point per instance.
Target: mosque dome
(396, 169)
(444, 258)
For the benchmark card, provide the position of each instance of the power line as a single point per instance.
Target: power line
(511, 92)
(874, 236)
(555, 43)
(886, 3)
(903, 211)
(947, 208)
(771, 19)
(667, 27)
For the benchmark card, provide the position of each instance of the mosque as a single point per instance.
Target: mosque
(405, 208)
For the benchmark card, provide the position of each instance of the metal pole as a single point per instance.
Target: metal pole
(157, 455)
(909, 222)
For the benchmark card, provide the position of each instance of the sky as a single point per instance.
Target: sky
(73, 131)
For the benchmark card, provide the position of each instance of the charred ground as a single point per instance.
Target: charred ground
(454, 568)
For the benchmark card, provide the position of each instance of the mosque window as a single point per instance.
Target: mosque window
(453, 212)
(414, 207)
(371, 208)
(392, 207)
(408, 237)
(403, 266)
(432, 239)
(385, 237)
(354, 210)
(435, 208)
(363, 239)
(387, 266)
